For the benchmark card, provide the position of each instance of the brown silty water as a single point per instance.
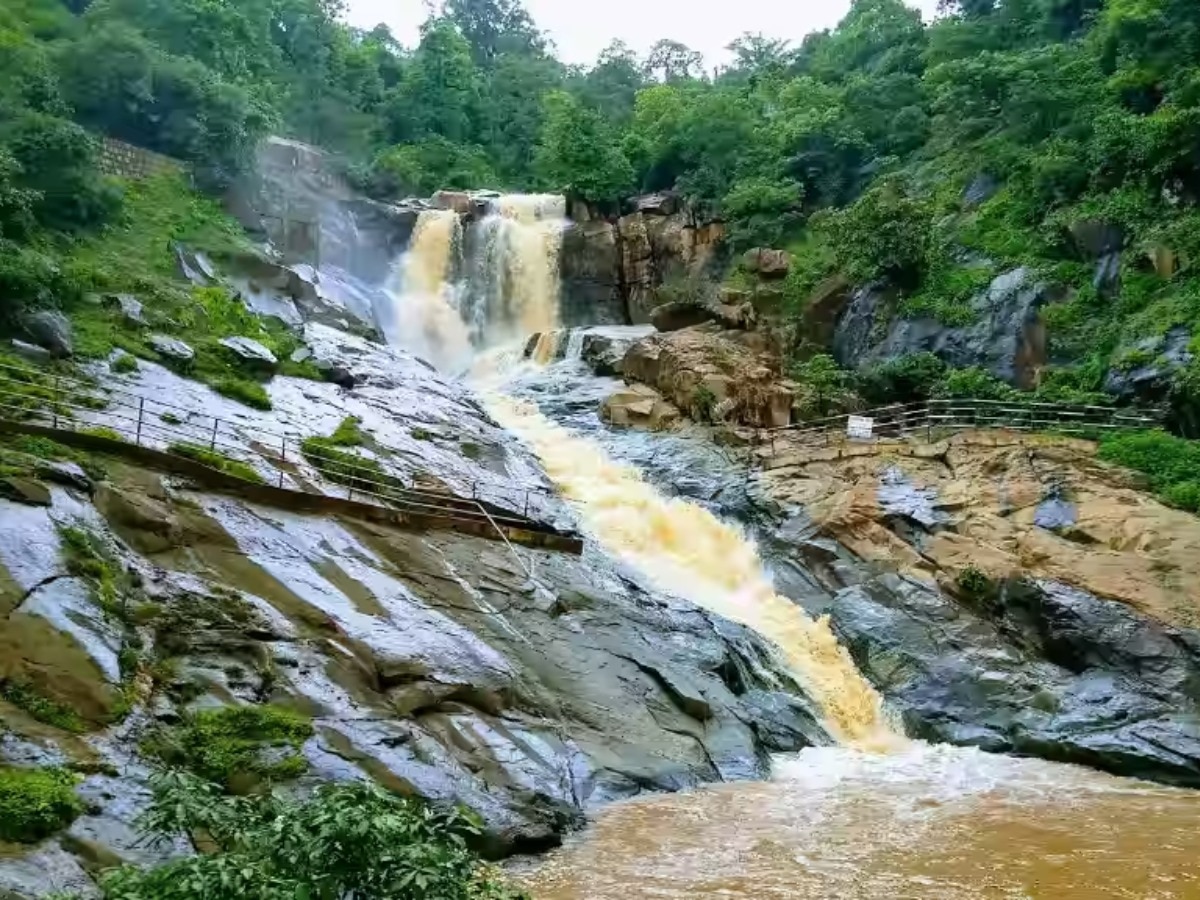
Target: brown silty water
(878, 816)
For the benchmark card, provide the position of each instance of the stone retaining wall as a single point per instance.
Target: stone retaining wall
(123, 160)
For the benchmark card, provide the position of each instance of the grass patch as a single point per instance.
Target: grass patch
(124, 364)
(251, 393)
(101, 431)
(1172, 464)
(341, 466)
(87, 556)
(171, 419)
(36, 803)
(218, 461)
(236, 747)
(348, 433)
(50, 712)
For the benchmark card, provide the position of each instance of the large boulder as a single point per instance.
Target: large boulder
(50, 330)
(680, 314)
(172, 348)
(250, 353)
(1006, 336)
(656, 249)
(767, 263)
(458, 201)
(639, 406)
(712, 377)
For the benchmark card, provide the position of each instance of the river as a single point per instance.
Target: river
(877, 815)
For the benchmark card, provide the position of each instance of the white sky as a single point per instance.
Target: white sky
(582, 28)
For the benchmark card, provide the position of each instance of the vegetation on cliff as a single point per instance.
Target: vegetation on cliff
(351, 840)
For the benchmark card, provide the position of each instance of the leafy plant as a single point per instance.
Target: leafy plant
(24, 696)
(352, 840)
(236, 746)
(36, 803)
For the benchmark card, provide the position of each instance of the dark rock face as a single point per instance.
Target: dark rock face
(589, 265)
(1151, 381)
(50, 331)
(1040, 668)
(981, 189)
(1006, 338)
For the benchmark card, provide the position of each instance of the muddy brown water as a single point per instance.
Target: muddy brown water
(935, 823)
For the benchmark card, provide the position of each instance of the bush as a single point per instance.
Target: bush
(974, 584)
(429, 165)
(1172, 464)
(235, 746)
(903, 380)
(351, 840)
(973, 384)
(24, 696)
(343, 467)
(36, 803)
(885, 234)
(123, 364)
(251, 393)
(216, 460)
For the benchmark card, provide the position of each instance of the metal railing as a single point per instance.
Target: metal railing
(937, 418)
(70, 403)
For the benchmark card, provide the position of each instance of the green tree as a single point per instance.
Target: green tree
(578, 153)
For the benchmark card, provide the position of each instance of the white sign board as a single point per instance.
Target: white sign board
(860, 428)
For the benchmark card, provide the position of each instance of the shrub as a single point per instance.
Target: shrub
(216, 460)
(973, 384)
(124, 364)
(342, 466)
(235, 746)
(974, 584)
(885, 234)
(250, 393)
(902, 380)
(1172, 464)
(24, 696)
(36, 803)
(348, 433)
(348, 840)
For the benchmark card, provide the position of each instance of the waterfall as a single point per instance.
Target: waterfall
(425, 319)
(686, 550)
(513, 276)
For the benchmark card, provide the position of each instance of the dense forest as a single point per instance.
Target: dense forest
(852, 150)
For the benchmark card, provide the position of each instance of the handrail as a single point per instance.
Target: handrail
(900, 420)
(72, 404)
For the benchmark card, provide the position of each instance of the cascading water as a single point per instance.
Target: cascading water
(424, 318)
(513, 282)
(688, 551)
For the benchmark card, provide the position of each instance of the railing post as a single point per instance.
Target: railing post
(282, 457)
(213, 442)
(141, 414)
(54, 393)
(527, 504)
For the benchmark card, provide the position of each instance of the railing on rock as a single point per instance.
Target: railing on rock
(69, 404)
(938, 418)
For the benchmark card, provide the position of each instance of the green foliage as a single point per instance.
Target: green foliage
(975, 584)
(823, 385)
(123, 364)
(577, 153)
(885, 234)
(25, 696)
(1171, 463)
(36, 803)
(250, 393)
(216, 460)
(352, 840)
(342, 466)
(972, 384)
(235, 747)
(348, 433)
(431, 164)
(87, 555)
(903, 380)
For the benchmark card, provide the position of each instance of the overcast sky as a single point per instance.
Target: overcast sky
(582, 28)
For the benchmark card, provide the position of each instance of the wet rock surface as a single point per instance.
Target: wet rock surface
(1003, 591)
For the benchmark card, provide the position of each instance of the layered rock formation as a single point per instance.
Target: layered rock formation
(1033, 600)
